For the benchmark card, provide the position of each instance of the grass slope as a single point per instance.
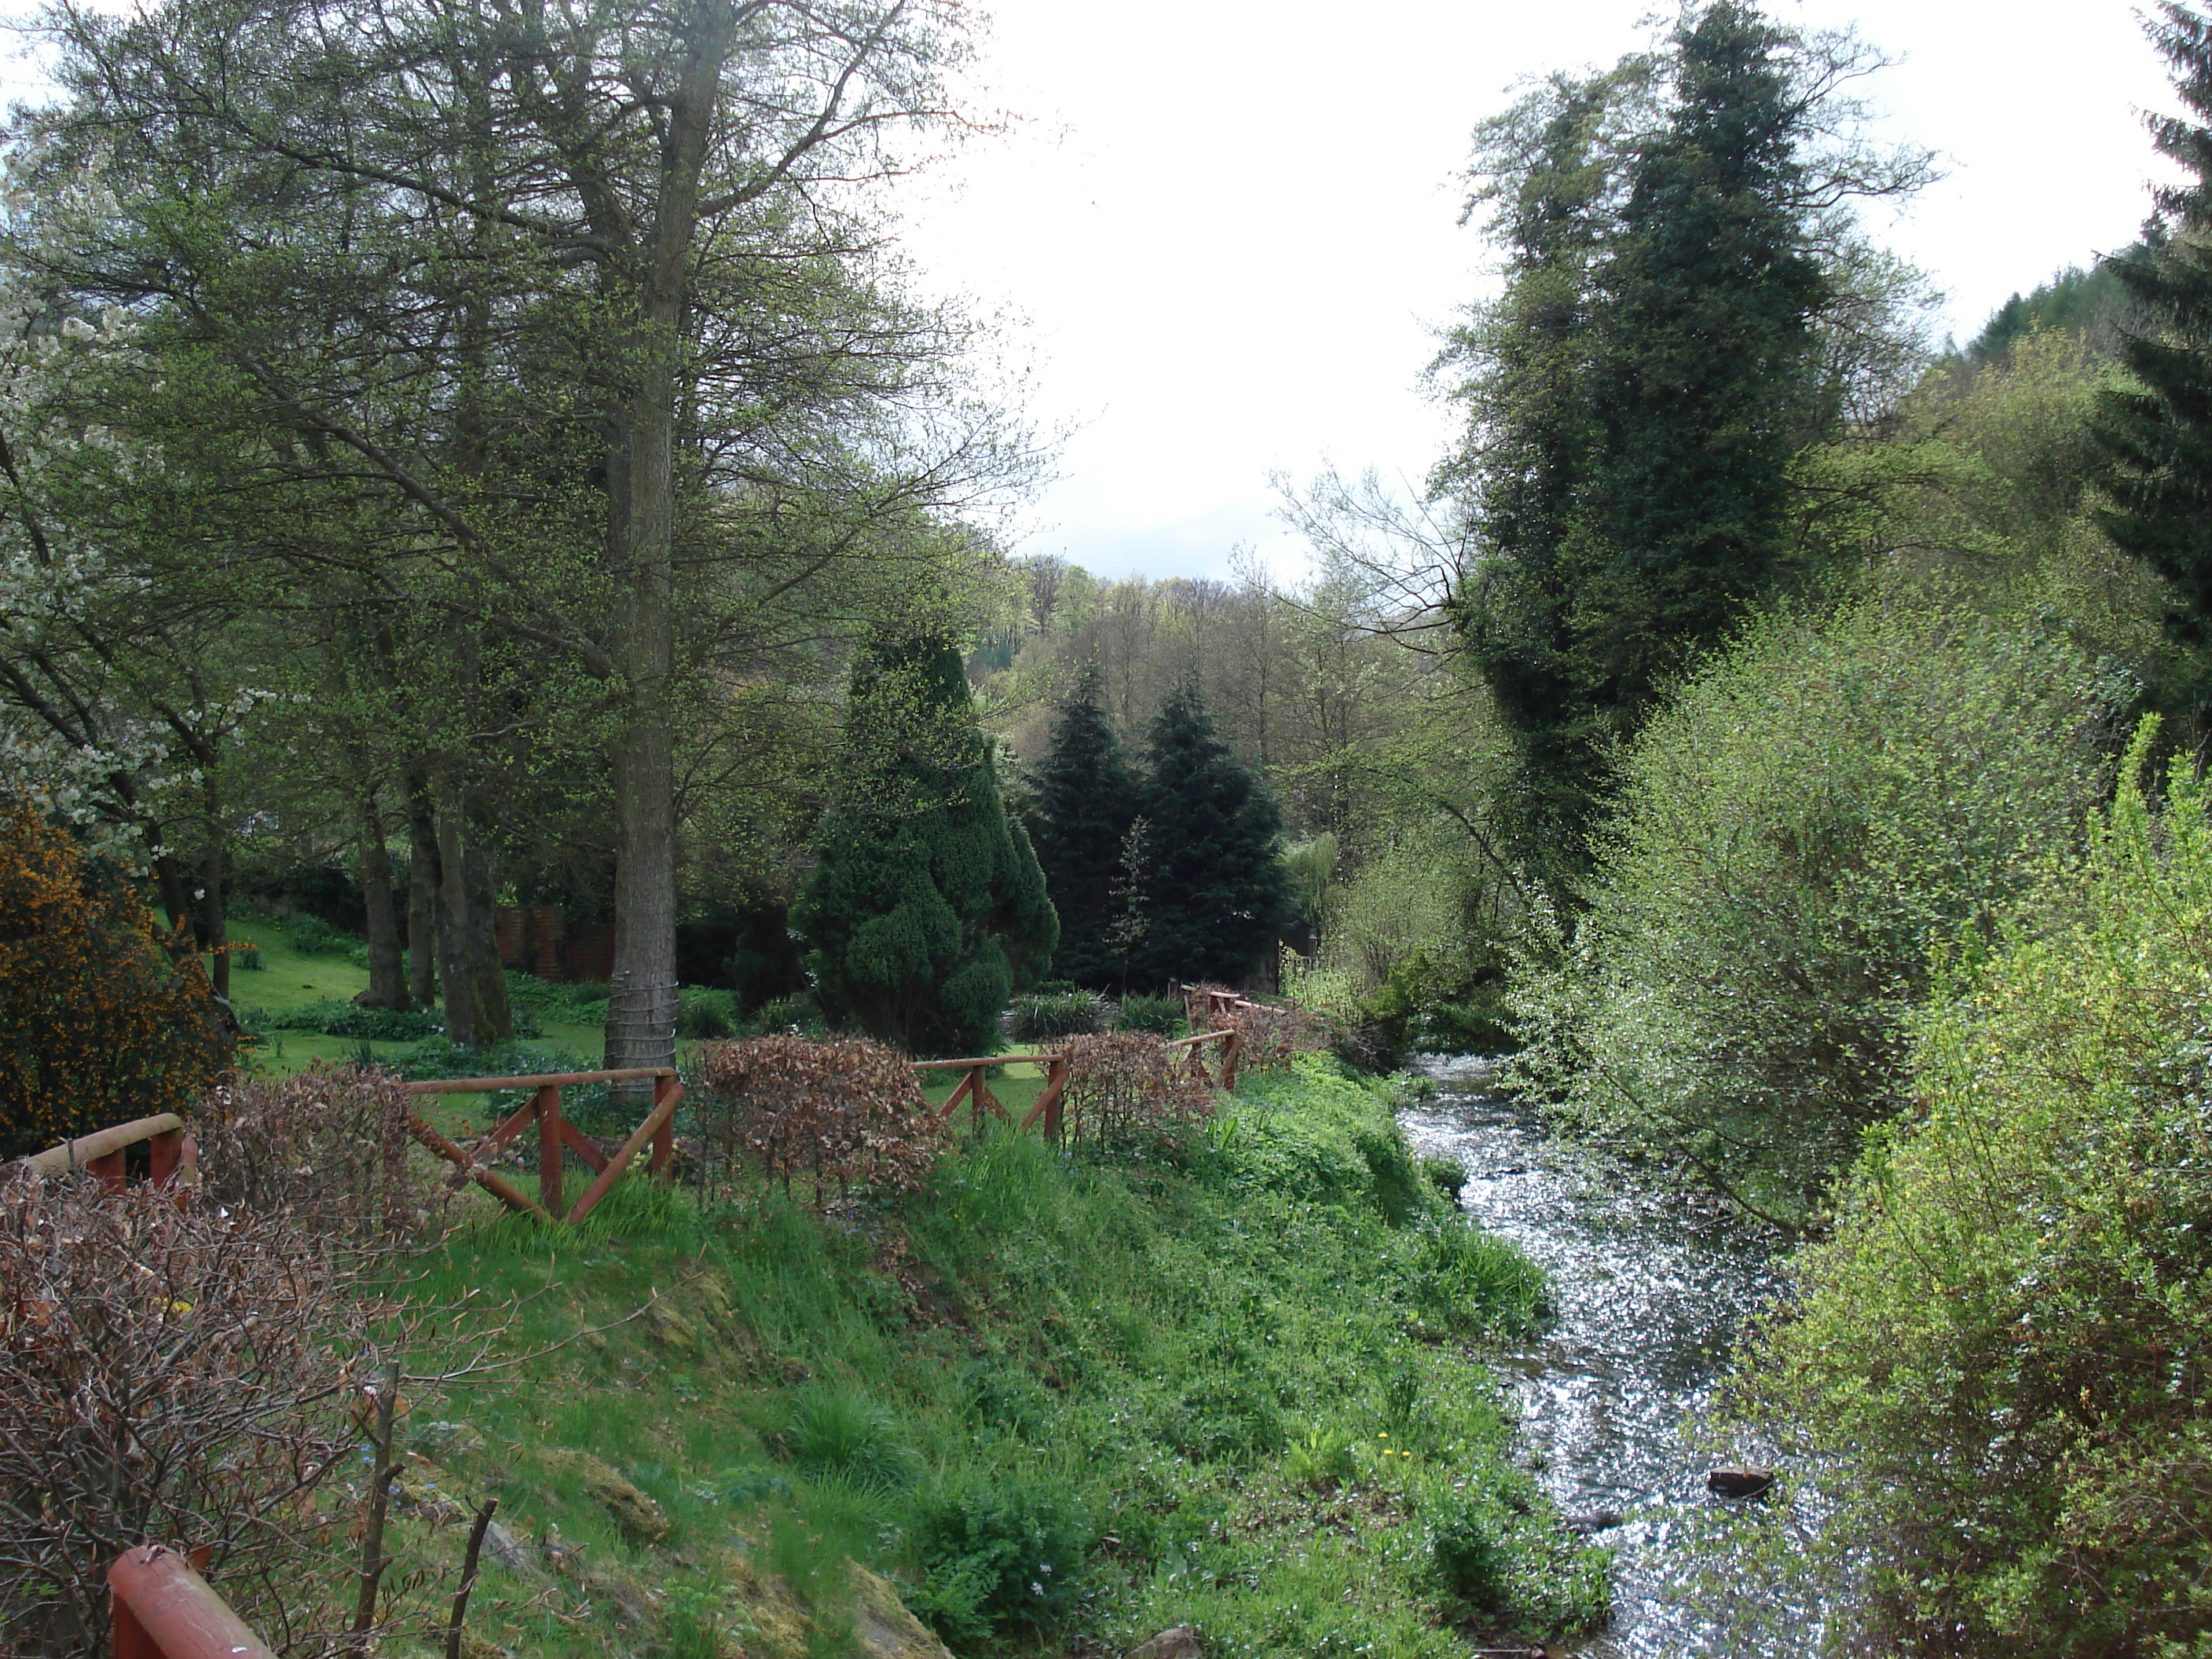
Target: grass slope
(1062, 1401)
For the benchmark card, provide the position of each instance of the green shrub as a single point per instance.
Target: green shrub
(1447, 1175)
(1042, 1016)
(1400, 1188)
(1794, 832)
(333, 1016)
(2002, 1350)
(706, 1014)
(311, 936)
(1162, 1016)
(799, 1014)
(246, 959)
(1002, 1553)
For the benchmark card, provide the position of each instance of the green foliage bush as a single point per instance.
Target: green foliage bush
(1491, 1554)
(839, 1431)
(334, 1017)
(706, 1014)
(1795, 830)
(311, 936)
(1472, 1283)
(2002, 1352)
(1162, 1016)
(1042, 1015)
(1002, 1553)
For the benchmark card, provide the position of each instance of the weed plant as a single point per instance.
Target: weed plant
(1066, 1396)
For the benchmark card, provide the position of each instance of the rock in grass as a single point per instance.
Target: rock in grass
(641, 1520)
(882, 1626)
(1739, 1483)
(1177, 1642)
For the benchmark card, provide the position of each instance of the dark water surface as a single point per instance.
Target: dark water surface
(1652, 1290)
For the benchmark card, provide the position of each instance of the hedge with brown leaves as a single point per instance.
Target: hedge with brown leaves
(845, 1113)
(1130, 1087)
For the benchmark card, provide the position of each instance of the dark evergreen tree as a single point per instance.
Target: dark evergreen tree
(1086, 800)
(2157, 432)
(1636, 397)
(1707, 373)
(927, 910)
(1523, 366)
(1216, 894)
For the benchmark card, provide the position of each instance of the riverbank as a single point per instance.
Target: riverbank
(1069, 1402)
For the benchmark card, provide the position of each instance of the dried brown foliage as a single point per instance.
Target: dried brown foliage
(1271, 1036)
(1199, 1008)
(327, 1147)
(1130, 1087)
(172, 1374)
(846, 1113)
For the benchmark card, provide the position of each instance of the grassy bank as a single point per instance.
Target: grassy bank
(1062, 1401)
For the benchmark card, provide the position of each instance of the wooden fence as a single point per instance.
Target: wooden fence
(555, 1135)
(171, 1155)
(161, 1609)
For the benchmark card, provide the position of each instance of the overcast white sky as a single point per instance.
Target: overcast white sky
(1229, 226)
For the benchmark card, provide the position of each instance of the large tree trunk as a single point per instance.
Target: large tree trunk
(387, 979)
(641, 999)
(423, 881)
(478, 1013)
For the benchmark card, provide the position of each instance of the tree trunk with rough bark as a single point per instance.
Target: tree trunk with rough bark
(477, 1013)
(424, 880)
(387, 976)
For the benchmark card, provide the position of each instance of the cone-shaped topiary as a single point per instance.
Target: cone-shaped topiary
(1216, 893)
(1086, 798)
(98, 1023)
(927, 909)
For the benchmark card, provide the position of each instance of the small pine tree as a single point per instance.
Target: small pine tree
(1216, 891)
(1086, 800)
(98, 1024)
(2158, 431)
(927, 909)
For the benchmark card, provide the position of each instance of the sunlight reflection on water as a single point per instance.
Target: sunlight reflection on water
(1652, 1290)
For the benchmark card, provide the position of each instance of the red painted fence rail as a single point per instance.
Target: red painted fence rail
(161, 1608)
(171, 1154)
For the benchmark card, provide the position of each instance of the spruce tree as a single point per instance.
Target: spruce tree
(1086, 800)
(2158, 431)
(1216, 893)
(927, 908)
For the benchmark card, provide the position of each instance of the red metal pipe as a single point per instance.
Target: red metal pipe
(163, 1609)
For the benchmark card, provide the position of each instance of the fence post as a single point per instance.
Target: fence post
(664, 1137)
(1229, 1063)
(1055, 1088)
(164, 1151)
(979, 1088)
(549, 1149)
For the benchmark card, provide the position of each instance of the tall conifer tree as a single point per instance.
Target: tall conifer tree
(1216, 892)
(1637, 396)
(2157, 432)
(927, 909)
(1086, 800)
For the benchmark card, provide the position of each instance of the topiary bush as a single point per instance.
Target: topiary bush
(100, 1022)
(706, 1014)
(1810, 814)
(2001, 1352)
(311, 936)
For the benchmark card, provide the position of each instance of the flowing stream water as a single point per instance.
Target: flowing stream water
(1651, 1291)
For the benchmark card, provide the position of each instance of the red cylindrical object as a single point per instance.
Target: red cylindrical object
(161, 1609)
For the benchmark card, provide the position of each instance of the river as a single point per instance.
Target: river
(1651, 1291)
